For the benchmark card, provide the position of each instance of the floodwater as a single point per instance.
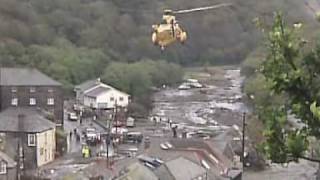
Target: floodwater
(218, 105)
(219, 108)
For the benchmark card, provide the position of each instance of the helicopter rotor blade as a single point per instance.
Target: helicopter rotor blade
(202, 8)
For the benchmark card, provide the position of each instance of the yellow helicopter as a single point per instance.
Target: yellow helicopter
(169, 30)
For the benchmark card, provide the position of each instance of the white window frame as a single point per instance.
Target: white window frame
(111, 98)
(30, 143)
(14, 101)
(3, 167)
(121, 98)
(32, 101)
(50, 101)
(14, 89)
(32, 89)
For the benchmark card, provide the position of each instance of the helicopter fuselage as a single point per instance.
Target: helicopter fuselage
(166, 34)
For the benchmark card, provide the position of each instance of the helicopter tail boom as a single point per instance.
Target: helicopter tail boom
(202, 8)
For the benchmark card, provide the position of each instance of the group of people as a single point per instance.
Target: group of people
(172, 126)
(76, 134)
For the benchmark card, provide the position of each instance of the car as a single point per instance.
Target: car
(135, 137)
(164, 147)
(72, 116)
(184, 87)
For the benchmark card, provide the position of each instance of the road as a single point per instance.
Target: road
(69, 126)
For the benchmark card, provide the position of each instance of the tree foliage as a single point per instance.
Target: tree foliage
(291, 71)
(138, 78)
(121, 29)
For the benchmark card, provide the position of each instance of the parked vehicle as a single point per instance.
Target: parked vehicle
(72, 116)
(130, 122)
(91, 136)
(150, 161)
(135, 137)
(184, 86)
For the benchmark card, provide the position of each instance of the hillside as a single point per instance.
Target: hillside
(85, 35)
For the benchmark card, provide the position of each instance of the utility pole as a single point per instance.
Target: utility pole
(243, 139)
(109, 131)
(20, 155)
(18, 172)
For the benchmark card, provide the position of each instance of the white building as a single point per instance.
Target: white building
(96, 94)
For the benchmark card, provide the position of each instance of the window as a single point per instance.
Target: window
(111, 98)
(33, 101)
(121, 99)
(50, 101)
(32, 89)
(14, 101)
(3, 167)
(41, 151)
(50, 90)
(14, 89)
(31, 139)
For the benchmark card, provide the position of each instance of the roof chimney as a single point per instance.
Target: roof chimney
(21, 118)
(98, 81)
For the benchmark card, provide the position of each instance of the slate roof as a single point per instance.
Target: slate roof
(162, 172)
(184, 169)
(86, 85)
(97, 91)
(32, 120)
(25, 77)
(137, 171)
(10, 162)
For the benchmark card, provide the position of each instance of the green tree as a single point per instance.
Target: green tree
(291, 71)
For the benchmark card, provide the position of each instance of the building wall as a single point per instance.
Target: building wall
(34, 156)
(10, 175)
(103, 100)
(46, 147)
(11, 146)
(106, 98)
(42, 93)
(89, 102)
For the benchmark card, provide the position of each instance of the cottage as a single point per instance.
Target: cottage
(7, 167)
(137, 171)
(23, 87)
(25, 132)
(98, 95)
(181, 169)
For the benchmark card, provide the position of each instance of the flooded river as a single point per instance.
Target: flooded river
(218, 107)
(214, 105)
